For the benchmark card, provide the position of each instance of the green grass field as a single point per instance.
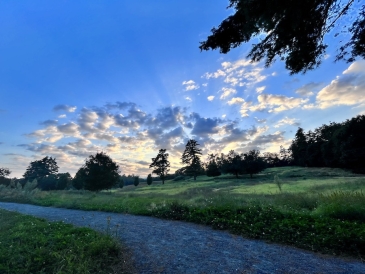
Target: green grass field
(319, 209)
(33, 245)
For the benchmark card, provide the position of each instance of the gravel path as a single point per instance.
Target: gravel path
(161, 246)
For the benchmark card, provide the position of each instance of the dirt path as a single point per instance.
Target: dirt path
(161, 246)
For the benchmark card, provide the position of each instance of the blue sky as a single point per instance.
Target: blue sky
(128, 78)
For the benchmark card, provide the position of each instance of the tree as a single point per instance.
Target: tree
(48, 182)
(4, 172)
(191, 158)
(79, 179)
(212, 169)
(136, 181)
(232, 163)
(64, 181)
(41, 168)
(101, 172)
(294, 31)
(161, 164)
(253, 163)
(149, 179)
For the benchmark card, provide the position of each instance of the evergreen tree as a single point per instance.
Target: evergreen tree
(136, 181)
(191, 158)
(161, 164)
(149, 179)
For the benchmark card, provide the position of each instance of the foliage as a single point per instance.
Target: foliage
(191, 158)
(41, 168)
(48, 182)
(79, 179)
(149, 179)
(333, 145)
(32, 245)
(4, 172)
(253, 163)
(101, 172)
(231, 163)
(64, 181)
(212, 168)
(161, 164)
(294, 31)
(136, 181)
(121, 182)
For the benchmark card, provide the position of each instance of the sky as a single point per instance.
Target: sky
(128, 78)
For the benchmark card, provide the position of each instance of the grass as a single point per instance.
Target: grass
(319, 209)
(33, 245)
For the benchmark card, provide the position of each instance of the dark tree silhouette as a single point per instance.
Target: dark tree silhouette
(101, 172)
(41, 168)
(294, 31)
(212, 168)
(232, 163)
(191, 158)
(253, 163)
(136, 181)
(161, 164)
(4, 172)
(79, 179)
(149, 179)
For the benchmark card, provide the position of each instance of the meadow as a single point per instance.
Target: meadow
(318, 209)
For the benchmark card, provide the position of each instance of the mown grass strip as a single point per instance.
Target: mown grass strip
(33, 245)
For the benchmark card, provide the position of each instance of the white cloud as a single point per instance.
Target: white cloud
(260, 89)
(210, 98)
(347, 89)
(239, 73)
(227, 92)
(224, 116)
(236, 101)
(188, 98)
(190, 85)
(62, 116)
(205, 84)
(287, 121)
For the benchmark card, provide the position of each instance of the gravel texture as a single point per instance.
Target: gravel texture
(162, 246)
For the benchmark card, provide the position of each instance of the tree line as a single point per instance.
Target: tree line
(334, 145)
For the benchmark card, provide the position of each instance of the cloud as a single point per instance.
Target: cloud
(260, 89)
(188, 98)
(69, 128)
(260, 121)
(64, 108)
(287, 121)
(205, 126)
(239, 73)
(227, 92)
(277, 103)
(235, 100)
(347, 89)
(190, 85)
(307, 90)
(210, 98)
(49, 123)
(62, 116)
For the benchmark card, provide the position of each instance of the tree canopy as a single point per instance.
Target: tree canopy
(99, 172)
(41, 168)
(161, 164)
(4, 172)
(191, 158)
(294, 31)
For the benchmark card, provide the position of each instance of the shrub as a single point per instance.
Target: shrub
(149, 179)
(136, 181)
